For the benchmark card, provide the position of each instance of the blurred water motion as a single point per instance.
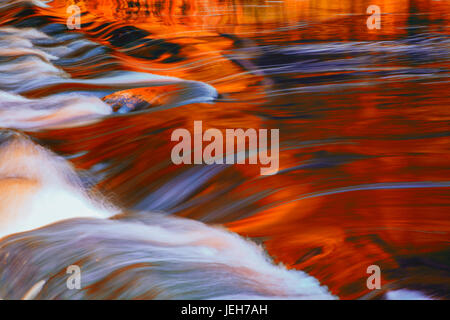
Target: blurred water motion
(364, 142)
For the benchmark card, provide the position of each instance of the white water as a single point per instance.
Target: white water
(26, 67)
(405, 294)
(38, 188)
(49, 112)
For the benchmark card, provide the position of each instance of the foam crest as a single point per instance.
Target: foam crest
(38, 188)
(29, 68)
(167, 257)
(55, 111)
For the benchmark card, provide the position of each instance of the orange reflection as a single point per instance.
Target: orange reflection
(380, 131)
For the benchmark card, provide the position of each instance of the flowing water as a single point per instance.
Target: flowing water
(87, 116)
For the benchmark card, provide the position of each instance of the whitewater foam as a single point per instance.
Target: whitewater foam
(27, 64)
(38, 188)
(57, 111)
(144, 254)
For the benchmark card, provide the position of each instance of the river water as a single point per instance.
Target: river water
(364, 124)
